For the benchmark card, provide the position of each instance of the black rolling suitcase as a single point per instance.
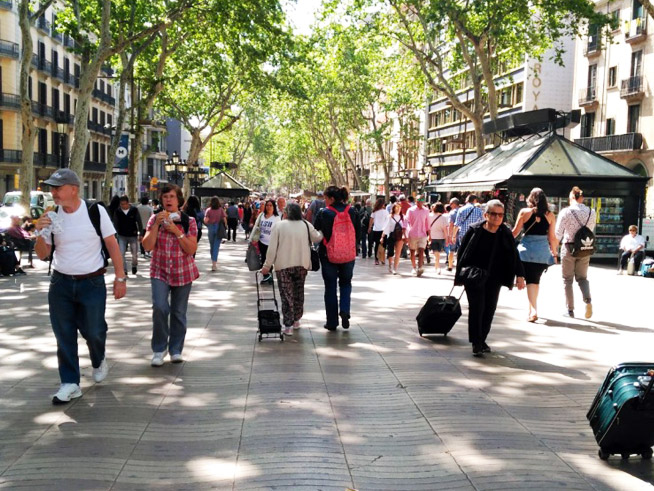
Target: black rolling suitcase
(622, 414)
(439, 314)
(268, 319)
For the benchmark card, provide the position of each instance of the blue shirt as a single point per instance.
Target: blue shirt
(466, 216)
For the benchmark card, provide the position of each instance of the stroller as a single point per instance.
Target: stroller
(269, 320)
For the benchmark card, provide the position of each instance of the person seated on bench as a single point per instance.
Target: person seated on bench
(632, 244)
(22, 240)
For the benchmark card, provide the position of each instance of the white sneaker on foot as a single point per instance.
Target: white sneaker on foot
(100, 373)
(296, 325)
(413, 271)
(288, 331)
(177, 358)
(66, 392)
(394, 271)
(420, 271)
(158, 359)
(589, 310)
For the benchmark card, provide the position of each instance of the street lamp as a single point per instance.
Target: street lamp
(175, 168)
(196, 175)
(62, 126)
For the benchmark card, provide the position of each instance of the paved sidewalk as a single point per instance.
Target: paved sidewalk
(375, 407)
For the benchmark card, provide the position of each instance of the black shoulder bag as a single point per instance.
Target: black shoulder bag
(315, 258)
(476, 277)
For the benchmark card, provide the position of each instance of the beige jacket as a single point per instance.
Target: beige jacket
(289, 244)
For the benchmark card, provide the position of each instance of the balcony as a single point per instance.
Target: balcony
(94, 166)
(68, 41)
(588, 97)
(632, 89)
(6, 4)
(9, 101)
(612, 143)
(636, 30)
(43, 24)
(9, 49)
(42, 110)
(57, 35)
(41, 64)
(11, 156)
(98, 94)
(98, 128)
(58, 73)
(593, 47)
(46, 160)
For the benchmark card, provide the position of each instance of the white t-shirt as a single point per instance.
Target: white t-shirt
(438, 228)
(266, 225)
(629, 243)
(78, 249)
(379, 217)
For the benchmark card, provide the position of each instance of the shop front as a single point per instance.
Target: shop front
(555, 164)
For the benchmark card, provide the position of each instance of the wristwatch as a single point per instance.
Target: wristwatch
(121, 280)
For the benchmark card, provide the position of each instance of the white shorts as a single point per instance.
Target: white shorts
(416, 243)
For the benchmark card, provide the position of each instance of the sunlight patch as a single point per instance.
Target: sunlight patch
(371, 347)
(218, 469)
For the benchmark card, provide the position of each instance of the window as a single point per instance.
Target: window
(96, 152)
(632, 118)
(615, 19)
(637, 10)
(43, 140)
(94, 117)
(518, 93)
(613, 76)
(2, 139)
(592, 76)
(67, 104)
(610, 126)
(636, 63)
(102, 116)
(43, 93)
(55, 102)
(587, 123)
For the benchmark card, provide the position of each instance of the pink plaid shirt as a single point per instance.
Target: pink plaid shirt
(170, 263)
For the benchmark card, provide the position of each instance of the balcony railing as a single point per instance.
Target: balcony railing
(89, 165)
(636, 29)
(9, 101)
(632, 87)
(42, 110)
(68, 41)
(593, 46)
(7, 4)
(13, 156)
(40, 159)
(7, 48)
(612, 143)
(41, 64)
(587, 96)
(98, 128)
(57, 35)
(43, 24)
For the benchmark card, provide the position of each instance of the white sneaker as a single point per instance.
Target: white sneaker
(413, 271)
(394, 271)
(178, 358)
(100, 373)
(158, 359)
(296, 325)
(420, 271)
(288, 331)
(66, 392)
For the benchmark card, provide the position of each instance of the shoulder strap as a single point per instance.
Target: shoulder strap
(185, 221)
(308, 233)
(94, 215)
(469, 213)
(435, 219)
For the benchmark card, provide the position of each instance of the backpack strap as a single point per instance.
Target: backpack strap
(94, 215)
(185, 221)
(435, 220)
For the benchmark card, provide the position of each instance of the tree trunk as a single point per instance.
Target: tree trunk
(27, 139)
(118, 132)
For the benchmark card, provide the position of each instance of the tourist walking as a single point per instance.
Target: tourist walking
(452, 233)
(376, 227)
(315, 206)
(338, 223)
(247, 219)
(127, 221)
(171, 235)
(289, 252)
(193, 209)
(538, 245)
(570, 220)
(487, 260)
(78, 243)
(216, 221)
(262, 231)
(232, 221)
(393, 236)
(417, 231)
(438, 233)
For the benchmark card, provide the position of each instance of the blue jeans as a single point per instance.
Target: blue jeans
(214, 241)
(333, 274)
(133, 243)
(77, 305)
(165, 337)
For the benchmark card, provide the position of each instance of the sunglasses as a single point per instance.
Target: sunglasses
(495, 214)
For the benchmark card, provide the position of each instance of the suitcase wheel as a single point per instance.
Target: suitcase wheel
(647, 454)
(603, 454)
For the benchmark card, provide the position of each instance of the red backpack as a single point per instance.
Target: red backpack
(341, 248)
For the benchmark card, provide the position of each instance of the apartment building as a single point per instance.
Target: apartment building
(614, 92)
(53, 87)
(524, 85)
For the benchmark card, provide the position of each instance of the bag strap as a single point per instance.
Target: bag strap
(435, 220)
(308, 234)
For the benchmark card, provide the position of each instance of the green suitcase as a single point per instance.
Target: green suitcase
(622, 414)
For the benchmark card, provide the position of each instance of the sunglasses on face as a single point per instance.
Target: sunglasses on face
(495, 214)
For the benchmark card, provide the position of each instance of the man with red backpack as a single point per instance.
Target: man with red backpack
(340, 226)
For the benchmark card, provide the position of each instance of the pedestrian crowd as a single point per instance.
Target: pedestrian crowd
(293, 237)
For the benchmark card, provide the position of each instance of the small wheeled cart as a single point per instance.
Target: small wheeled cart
(269, 321)
(622, 414)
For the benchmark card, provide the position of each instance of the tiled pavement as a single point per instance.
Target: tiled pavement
(375, 407)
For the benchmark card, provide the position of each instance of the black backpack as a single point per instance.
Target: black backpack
(584, 240)
(365, 219)
(397, 230)
(8, 261)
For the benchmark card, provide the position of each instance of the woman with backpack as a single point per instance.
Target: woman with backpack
(171, 236)
(538, 245)
(216, 221)
(393, 236)
(193, 209)
(376, 226)
(339, 224)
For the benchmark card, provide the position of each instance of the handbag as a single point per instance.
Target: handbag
(222, 230)
(253, 258)
(315, 258)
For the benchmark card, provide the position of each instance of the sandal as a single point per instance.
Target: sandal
(532, 318)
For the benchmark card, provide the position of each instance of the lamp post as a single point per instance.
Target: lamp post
(61, 133)
(176, 168)
(196, 176)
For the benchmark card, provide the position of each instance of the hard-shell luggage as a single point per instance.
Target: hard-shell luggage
(647, 268)
(269, 321)
(439, 314)
(622, 414)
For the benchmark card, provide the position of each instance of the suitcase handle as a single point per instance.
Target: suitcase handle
(463, 289)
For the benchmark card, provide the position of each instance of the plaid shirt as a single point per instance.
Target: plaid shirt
(170, 263)
(466, 216)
